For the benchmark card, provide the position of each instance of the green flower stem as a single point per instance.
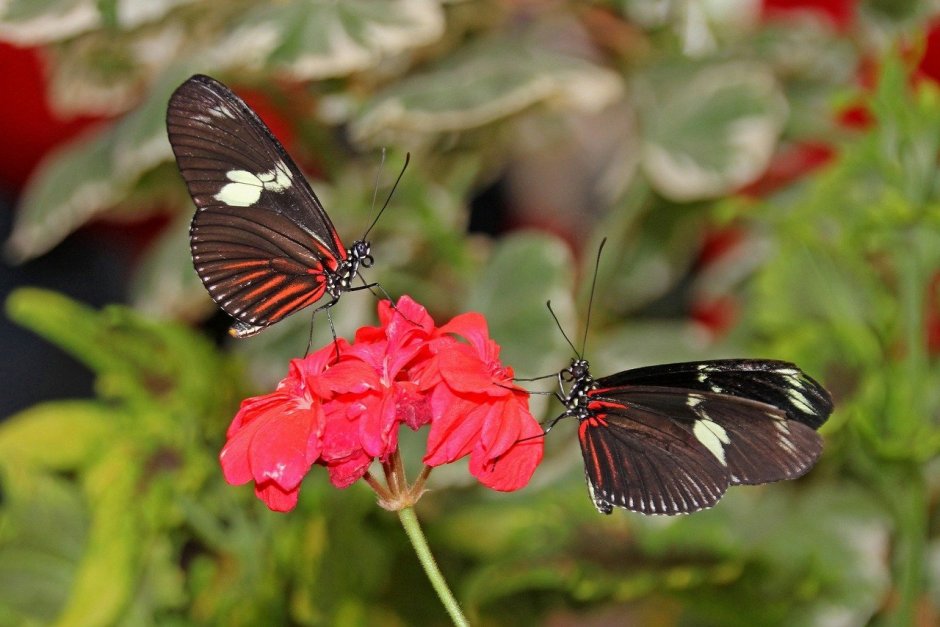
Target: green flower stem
(410, 522)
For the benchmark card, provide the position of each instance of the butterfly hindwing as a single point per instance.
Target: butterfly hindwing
(644, 462)
(777, 383)
(661, 450)
(260, 238)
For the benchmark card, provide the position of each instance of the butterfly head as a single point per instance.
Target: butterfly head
(579, 370)
(361, 253)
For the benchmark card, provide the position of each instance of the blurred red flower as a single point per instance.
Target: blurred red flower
(932, 315)
(840, 13)
(341, 407)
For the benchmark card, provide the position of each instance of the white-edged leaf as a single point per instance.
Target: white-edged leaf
(326, 39)
(488, 81)
(134, 13)
(81, 81)
(68, 189)
(710, 129)
(91, 175)
(37, 22)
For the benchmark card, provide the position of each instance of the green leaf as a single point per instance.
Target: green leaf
(62, 435)
(525, 271)
(137, 360)
(324, 39)
(481, 84)
(708, 129)
(113, 545)
(70, 188)
(44, 525)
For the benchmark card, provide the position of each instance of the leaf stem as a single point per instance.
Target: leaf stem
(413, 530)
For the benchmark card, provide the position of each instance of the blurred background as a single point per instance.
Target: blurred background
(765, 172)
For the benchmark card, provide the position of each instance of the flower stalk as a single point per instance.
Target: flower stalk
(413, 530)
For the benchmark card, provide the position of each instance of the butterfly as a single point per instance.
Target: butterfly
(671, 439)
(261, 241)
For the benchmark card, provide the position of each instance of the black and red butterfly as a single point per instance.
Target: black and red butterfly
(261, 241)
(671, 439)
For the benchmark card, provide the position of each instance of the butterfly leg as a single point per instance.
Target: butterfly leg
(329, 317)
(554, 422)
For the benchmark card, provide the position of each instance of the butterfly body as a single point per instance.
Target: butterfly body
(671, 439)
(261, 242)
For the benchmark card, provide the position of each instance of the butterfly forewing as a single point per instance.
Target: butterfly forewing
(777, 383)
(260, 238)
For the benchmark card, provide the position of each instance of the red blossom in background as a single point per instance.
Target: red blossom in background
(839, 13)
(344, 411)
(932, 315)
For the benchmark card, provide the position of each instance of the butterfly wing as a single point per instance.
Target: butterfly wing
(661, 450)
(647, 463)
(777, 383)
(260, 238)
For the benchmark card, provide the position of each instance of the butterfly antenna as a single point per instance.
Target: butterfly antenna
(565, 335)
(387, 200)
(587, 322)
(378, 175)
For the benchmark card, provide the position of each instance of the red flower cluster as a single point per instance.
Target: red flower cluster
(344, 413)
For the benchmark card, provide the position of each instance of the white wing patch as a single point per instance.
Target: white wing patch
(713, 436)
(694, 399)
(245, 188)
(801, 402)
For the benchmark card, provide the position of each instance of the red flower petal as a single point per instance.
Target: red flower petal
(412, 407)
(454, 431)
(285, 448)
(502, 428)
(378, 426)
(255, 414)
(473, 328)
(348, 376)
(466, 373)
(348, 470)
(275, 497)
(513, 469)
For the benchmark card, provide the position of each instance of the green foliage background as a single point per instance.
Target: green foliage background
(636, 124)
